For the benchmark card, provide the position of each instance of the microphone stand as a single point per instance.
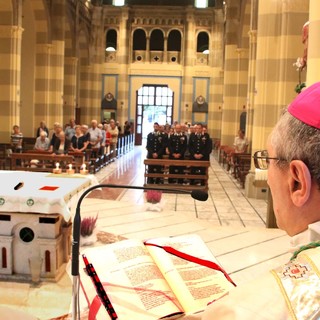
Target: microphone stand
(196, 194)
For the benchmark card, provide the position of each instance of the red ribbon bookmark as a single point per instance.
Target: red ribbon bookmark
(203, 262)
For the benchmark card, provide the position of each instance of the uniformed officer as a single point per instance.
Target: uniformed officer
(177, 146)
(199, 147)
(155, 148)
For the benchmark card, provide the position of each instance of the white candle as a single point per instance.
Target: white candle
(57, 165)
(70, 166)
(83, 166)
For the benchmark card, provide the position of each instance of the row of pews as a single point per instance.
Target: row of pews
(31, 160)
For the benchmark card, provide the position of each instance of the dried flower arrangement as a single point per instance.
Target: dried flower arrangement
(87, 226)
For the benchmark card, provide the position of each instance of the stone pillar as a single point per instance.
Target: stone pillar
(313, 64)
(235, 74)
(70, 88)
(123, 90)
(275, 77)
(216, 82)
(189, 57)
(10, 66)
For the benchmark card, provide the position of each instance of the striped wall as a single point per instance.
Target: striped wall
(313, 43)
(10, 53)
(235, 74)
(70, 98)
(278, 46)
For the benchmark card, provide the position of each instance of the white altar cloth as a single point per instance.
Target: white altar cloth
(45, 193)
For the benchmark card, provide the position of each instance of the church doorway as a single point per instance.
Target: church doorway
(154, 103)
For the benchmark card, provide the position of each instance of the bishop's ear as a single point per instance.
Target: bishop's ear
(299, 182)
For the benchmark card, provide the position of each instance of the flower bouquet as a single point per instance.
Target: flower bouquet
(300, 64)
(153, 198)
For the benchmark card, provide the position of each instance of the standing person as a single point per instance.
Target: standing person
(42, 142)
(16, 139)
(291, 291)
(61, 144)
(165, 138)
(240, 142)
(177, 146)
(57, 128)
(86, 134)
(70, 129)
(118, 126)
(155, 148)
(78, 141)
(199, 148)
(42, 127)
(103, 138)
(95, 137)
(114, 133)
(127, 128)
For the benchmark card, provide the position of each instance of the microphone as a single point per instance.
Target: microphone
(195, 194)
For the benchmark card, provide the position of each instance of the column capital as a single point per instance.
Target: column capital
(10, 31)
(240, 50)
(44, 47)
(71, 60)
(252, 36)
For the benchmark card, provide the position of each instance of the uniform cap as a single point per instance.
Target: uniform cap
(306, 106)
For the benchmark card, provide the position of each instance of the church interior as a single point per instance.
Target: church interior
(228, 64)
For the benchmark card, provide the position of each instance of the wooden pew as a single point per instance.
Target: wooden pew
(241, 166)
(5, 152)
(46, 161)
(164, 175)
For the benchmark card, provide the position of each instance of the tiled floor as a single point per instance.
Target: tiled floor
(232, 226)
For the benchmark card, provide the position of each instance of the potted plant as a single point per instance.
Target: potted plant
(153, 198)
(88, 231)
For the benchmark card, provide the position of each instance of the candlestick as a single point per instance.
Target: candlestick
(83, 169)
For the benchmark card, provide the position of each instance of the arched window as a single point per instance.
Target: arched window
(139, 40)
(4, 257)
(111, 40)
(174, 41)
(156, 40)
(47, 261)
(203, 42)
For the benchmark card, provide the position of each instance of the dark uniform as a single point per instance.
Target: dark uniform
(199, 144)
(155, 144)
(177, 144)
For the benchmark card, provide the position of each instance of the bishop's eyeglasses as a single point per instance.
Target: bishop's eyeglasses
(262, 160)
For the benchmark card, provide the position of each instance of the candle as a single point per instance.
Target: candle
(70, 170)
(57, 168)
(83, 169)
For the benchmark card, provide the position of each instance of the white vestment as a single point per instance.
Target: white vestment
(262, 298)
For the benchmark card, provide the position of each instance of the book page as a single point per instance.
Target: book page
(193, 284)
(132, 281)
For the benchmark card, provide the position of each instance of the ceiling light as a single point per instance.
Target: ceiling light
(118, 3)
(201, 3)
(110, 49)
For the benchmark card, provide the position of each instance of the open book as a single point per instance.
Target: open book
(143, 281)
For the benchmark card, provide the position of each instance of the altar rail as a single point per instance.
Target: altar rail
(190, 181)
